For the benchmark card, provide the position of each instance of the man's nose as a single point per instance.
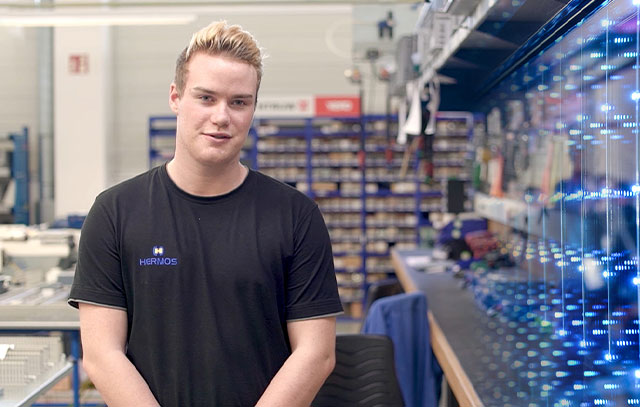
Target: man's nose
(220, 114)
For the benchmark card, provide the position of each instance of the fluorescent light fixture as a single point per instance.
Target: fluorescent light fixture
(56, 19)
(161, 14)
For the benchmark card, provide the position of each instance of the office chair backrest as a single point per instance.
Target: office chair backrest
(364, 375)
(381, 289)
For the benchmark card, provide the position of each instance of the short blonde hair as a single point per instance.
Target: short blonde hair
(219, 38)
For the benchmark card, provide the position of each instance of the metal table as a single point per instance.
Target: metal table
(462, 334)
(53, 317)
(32, 393)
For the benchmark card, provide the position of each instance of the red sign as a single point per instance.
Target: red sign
(78, 64)
(337, 106)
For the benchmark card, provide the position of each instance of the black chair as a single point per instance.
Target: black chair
(364, 375)
(381, 289)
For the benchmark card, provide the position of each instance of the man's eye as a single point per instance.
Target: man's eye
(239, 103)
(205, 98)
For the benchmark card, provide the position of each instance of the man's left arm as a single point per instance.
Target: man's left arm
(311, 361)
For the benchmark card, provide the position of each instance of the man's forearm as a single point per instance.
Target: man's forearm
(118, 381)
(298, 380)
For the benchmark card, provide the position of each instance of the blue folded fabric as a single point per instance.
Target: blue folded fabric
(403, 318)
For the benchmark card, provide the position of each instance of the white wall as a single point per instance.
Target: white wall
(82, 118)
(19, 73)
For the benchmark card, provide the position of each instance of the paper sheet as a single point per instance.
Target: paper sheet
(418, 261)
(4, 348)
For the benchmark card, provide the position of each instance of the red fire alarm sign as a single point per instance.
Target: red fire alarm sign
(79, 64)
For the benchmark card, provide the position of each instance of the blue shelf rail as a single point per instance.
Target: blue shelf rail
(20, 175)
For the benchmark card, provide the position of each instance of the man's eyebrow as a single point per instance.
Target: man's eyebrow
(203, 90)
(211, 92)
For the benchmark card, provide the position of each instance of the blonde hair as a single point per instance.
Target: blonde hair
(219, 38)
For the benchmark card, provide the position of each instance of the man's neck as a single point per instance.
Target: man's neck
(206, 181)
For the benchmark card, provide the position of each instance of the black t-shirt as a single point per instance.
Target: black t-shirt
(208, 283)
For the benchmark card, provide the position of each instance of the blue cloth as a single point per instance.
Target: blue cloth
(403, 318)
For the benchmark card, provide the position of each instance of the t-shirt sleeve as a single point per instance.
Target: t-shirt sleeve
(312, 290)
(98, 277)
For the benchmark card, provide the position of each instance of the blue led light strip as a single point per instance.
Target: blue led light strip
(637, 74)
(583, 175)
(529, 263)
(567, 18)
(607, 172)
(563, 222)
(544, 221)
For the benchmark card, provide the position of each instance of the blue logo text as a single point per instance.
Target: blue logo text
(159, 259)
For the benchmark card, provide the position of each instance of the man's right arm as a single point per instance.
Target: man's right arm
(104, 333)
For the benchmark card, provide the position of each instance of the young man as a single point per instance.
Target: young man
(202, 282)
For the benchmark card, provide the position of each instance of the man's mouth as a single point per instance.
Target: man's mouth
(218, 136)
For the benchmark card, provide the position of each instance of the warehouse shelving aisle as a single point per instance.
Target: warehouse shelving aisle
(354, 170)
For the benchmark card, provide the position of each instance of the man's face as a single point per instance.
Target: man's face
(215, 110)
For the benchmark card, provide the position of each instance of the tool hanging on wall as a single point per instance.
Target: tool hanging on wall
(431, 96)
(420, 123)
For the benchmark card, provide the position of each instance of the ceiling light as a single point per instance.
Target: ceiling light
(88, 20)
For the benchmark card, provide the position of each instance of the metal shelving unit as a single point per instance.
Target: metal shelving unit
(20, 175)
(341, 152)
(14, 178)
(30, 319)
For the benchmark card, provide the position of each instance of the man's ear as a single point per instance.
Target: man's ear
(174, 98)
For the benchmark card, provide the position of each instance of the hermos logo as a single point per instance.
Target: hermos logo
(158, 258)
